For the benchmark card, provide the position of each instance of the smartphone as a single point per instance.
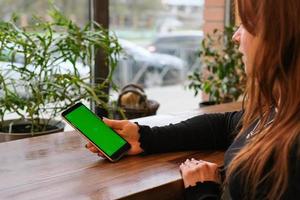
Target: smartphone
(105, 139)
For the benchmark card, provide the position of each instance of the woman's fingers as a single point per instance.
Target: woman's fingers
(89, 144)
(190, 163)
(196, 161)
(92, 148)
(115, 124)
(194, 171)
(126, 129)
(100, 154)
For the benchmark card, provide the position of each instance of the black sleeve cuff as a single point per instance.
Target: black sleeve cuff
(145, 132)
(207, 190)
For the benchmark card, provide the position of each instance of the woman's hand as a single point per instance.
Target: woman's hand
(128, 130)
(194, 171)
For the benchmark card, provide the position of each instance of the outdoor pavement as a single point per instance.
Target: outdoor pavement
(173, 99)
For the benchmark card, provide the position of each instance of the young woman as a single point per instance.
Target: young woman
(262, 141)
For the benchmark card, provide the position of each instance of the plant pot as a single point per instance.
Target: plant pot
(19, 129)
(207, 103)
(132, 113)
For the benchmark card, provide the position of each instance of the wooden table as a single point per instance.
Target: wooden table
(58, 166)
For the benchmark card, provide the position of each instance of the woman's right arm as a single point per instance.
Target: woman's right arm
(203, 132)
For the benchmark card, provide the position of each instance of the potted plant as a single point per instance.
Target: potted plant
(222, 75)
(45, 69)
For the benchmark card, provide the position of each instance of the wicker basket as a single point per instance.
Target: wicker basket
(139, 106)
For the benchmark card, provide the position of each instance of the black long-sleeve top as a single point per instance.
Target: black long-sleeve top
(212, 132)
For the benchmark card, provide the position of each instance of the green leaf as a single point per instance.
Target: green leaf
(44, 47)
(223, 74)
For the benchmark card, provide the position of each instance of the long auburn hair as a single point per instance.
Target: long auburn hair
(274, 81)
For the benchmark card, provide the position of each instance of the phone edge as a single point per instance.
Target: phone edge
(78, 131)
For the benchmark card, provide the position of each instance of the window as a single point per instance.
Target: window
(77, 10)
(161, 67)
(160, 40)
(25, 10)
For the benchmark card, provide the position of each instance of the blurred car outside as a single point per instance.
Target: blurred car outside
(13, 60)
(183, 44)
(138, 65)
(135, 65)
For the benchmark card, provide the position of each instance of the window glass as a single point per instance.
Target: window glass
(26, 10)
(77, 10)
(170, 31)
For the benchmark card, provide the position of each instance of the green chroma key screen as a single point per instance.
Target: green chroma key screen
(96, 130)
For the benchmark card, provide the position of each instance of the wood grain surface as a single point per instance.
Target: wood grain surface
(58, 166)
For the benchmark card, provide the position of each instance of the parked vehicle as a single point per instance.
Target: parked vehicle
(183, 44)
(138, 65)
